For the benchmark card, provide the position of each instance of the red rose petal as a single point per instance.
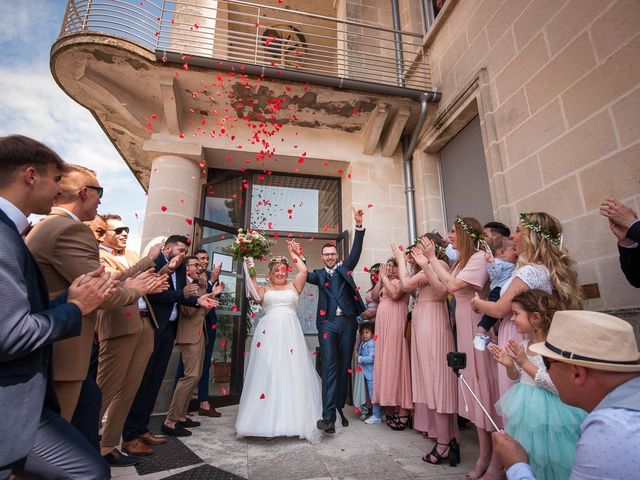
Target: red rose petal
(322, 313)
(375, 338)
(189, 221)
(262, 397)
(349, 370)
(163, 208)
(370, 205)
(325, 335)
(366, 269)
(258, 345)
(358, 368)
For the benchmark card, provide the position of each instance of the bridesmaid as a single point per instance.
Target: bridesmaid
(542, 264)
(469, 276)
(391, 371)
(433, 383)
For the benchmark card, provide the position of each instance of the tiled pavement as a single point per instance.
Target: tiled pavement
(371, 452)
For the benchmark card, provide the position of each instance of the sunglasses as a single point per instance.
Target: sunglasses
(99, 190)
(548, 363)
(119, 230)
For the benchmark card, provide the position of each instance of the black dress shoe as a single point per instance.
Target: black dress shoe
(188, 423)
(177, 431)
(327, 426)
(116, 458)
(343, 419)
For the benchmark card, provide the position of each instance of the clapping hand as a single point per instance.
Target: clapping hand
(88, 291)
(215, 272)
(620, 217)
(176, 261)
(218, 289)
(207, 301)
(428, 248)
(500, 356)
(142, 282)
(397, 251)
(517, 352)
(154, 251)
(190, 290)
(419, 257)
(160, 285)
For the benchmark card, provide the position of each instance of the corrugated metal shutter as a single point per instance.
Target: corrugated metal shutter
(465, 181)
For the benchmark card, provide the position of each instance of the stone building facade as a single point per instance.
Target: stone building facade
(539, 99)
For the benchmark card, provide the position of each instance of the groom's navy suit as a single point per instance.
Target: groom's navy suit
(337, 333)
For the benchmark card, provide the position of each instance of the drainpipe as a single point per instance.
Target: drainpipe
(408, 147)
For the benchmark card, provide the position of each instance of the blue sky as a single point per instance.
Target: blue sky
(32, 104)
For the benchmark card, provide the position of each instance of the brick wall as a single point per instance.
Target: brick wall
(557, 87)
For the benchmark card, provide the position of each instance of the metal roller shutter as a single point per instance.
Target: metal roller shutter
(463, 170)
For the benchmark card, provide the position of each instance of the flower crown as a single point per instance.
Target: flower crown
(279, 259)
(536, 227)
(472, 232)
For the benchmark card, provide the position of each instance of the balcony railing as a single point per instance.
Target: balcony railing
(260, 35)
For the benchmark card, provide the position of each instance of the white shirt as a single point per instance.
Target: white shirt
(71, 214)
(142, 305)
(174, 312)
(16, 215)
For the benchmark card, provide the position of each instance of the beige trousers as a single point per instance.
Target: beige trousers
(192, 358)
(121, 365)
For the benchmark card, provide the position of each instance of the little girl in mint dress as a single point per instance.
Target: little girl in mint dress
(532, 411)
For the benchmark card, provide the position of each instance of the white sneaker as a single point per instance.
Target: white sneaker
(373, 419)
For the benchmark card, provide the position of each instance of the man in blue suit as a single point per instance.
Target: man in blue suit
(36, 441)
(338, 305)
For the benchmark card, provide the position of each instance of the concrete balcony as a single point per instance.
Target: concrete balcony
(265, 35)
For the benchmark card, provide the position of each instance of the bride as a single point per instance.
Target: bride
(282, 391)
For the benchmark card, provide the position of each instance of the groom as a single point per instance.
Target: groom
(338, 305)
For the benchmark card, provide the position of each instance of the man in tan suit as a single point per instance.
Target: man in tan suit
(65, 248)
(191, 339)
(125, 346)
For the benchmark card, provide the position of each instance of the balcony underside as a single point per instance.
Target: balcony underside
(135, 97)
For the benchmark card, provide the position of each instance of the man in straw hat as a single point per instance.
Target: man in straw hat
(594, 362)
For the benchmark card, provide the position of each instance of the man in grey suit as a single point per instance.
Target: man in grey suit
(36, 441)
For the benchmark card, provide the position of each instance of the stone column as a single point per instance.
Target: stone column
(174, 189)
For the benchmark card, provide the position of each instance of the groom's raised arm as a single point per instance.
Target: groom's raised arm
(356, 249)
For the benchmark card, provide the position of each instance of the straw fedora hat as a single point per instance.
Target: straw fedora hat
(591, 339)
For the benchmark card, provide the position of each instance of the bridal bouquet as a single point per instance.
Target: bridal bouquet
(250, 244)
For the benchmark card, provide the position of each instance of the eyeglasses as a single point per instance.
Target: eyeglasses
(119, 230)
(329, 254)
(99, 190)
(547, 362)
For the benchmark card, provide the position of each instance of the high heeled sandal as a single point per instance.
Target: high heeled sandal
(452, 451)
(396, 422)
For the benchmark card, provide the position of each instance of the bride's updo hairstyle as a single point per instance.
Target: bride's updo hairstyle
(274, 263)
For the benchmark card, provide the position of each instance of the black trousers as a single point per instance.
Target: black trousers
(337, 339)
(59, 451)
(86, 417)
(137, 422)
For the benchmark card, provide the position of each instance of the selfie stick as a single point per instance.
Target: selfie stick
(477, 401)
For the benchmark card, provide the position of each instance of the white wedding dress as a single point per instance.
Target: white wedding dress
(282, 393)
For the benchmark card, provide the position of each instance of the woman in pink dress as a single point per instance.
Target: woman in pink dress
(435, 392)
(391, 370)
(542, 264)
(469, 276)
